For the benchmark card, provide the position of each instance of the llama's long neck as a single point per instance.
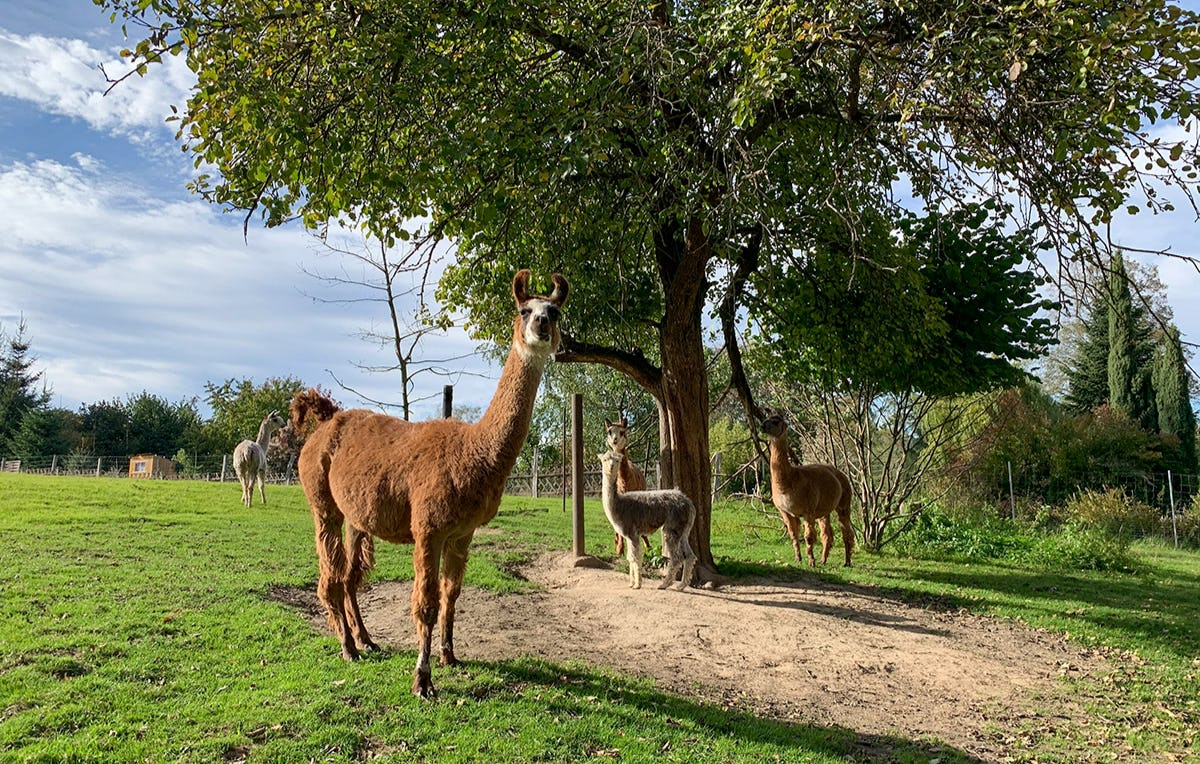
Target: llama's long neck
(608, 490)
(781, 461)
(264, 435)
(499, 435)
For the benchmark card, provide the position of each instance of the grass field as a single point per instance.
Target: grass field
(134, 626)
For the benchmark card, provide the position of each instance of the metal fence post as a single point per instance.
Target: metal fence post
(1171, 494)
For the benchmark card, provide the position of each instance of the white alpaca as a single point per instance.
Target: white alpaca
(637, 513)
(250, 459)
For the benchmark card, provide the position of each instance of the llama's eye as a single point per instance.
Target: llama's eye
(525, 312)
(553, 313)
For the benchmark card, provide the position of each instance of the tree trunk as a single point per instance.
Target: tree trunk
(682, 267)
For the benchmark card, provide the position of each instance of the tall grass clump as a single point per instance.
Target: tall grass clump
(982, 536)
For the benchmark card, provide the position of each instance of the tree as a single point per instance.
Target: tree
(238, 407)
(661, 153)
(19, 393)
(393, 279)
(105, 428)
(1128, 371)
(157, 426)
(46, 432)
(1176, 417)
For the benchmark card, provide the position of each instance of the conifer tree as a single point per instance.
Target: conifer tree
(1174, 408)
(19, 392)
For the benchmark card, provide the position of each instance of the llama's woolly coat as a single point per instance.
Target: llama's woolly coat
(641, 513)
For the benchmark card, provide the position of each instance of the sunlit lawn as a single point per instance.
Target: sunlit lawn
(135, 626)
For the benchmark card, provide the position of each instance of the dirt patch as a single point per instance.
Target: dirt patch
(806, 652)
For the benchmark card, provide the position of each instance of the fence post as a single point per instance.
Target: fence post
(533, 483)
(224, 461)
(1012, 499)
(99, 460)
(447, 401)
(716, 473)
(1171, 494)
(54, 465)
(577, 473)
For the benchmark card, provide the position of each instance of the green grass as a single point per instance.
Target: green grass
(135, 626)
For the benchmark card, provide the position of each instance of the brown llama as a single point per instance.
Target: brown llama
(629, 477)
(807, 493)
(250, 458)
(429, 484)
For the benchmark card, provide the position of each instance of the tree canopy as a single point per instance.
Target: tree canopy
(662, 154)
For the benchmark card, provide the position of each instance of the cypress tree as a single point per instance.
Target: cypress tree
(1129, 388)
(1173, 404)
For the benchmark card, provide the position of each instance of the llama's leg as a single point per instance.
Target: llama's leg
(331, 557)
(847, 532)
(619, 543)
(675, 559)
(826, 537)
(262, 491)
(689, 563)
(810, 536)
(454, 567)
(427, 555)
(633, 553)
(792, 526)
(360, 558)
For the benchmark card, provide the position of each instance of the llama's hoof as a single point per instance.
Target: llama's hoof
(683, 585)
(447, 659)
(367, 644)
(665, 583)
(349, 653)
(423, 687)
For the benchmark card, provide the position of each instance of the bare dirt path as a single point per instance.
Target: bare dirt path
(805, 652)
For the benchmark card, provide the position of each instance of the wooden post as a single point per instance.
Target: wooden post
(447, 401)
(54, 465)
(716, 473)
(533, 482)
(577, 473)
(224, 463)
(99, 460)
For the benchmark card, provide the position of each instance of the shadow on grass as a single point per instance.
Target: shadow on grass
(1158, 606)
(627, 703)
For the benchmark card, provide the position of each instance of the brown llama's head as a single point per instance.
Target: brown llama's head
(536, 324)
(773, 426)
(616, 434)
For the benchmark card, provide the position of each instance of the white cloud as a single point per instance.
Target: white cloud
(63, 76)
(125, 292)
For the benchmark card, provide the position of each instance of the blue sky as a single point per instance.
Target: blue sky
(127, 282)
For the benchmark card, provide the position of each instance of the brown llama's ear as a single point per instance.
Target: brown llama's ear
(625, 422)
(561, 288)
(607, 423)
(521, 286)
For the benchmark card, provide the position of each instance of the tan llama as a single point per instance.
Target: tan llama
(807, 493)
(429, 484)
(629, 477)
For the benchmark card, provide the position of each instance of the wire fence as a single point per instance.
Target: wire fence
(1013, 491)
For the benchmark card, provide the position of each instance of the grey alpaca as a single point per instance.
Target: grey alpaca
(638, 513)
(250, 458)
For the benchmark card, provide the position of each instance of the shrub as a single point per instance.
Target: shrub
(1187, 526)
(1079, 547)
(1113, 512)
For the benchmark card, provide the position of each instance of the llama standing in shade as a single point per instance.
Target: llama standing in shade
(250, 458)
(629, 477)
(808, 494)
(430, 484)
(636, 513)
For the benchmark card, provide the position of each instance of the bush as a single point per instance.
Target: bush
(1187, 526)
(1113, 512)
(1078, 547)
(983, 537)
